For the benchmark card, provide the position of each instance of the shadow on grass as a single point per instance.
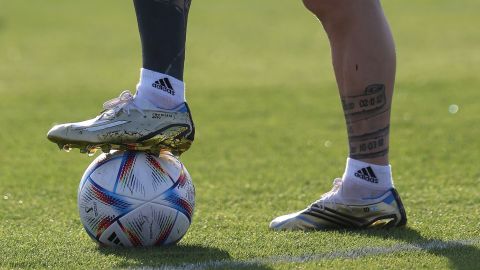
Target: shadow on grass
(182, 256)
(461, 255)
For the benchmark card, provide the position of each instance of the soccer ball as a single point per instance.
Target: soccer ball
(136, 199)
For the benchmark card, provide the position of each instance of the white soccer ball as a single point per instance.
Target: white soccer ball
(136, 199)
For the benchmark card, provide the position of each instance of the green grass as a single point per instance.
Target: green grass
(261, 87)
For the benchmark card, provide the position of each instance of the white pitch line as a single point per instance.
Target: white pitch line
(345, 254)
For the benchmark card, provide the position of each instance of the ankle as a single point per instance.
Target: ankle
(161, 90)
(362, 179)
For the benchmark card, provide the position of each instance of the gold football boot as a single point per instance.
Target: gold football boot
(129, 124)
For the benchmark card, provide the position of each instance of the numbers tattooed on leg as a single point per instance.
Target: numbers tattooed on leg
(372, 99)
(369, 145)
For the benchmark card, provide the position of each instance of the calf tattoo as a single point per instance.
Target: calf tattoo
(367, 117)
(371, 100)
(369, 145)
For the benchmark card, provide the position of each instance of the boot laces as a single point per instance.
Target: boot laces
(329, 196)
(124, 102)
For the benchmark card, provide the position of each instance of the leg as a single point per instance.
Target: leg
(363, 54)
(364, 63)
(157, 118)
(163, 31)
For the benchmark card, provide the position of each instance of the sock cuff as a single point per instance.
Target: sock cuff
(359, 163)
(150, 75)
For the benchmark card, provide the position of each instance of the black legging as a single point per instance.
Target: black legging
(163, 26)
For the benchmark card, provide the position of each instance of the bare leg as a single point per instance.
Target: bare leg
(364, 61)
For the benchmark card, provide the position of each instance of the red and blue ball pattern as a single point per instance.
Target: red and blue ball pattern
(120, 206)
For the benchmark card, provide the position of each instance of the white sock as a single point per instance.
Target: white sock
(161, 90)
(366, 180)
